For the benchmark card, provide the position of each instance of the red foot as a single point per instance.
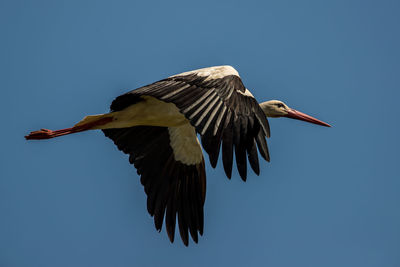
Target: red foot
(47, 134)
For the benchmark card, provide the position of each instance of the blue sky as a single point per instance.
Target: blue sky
(329, 197)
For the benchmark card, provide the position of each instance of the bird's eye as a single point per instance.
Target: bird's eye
(280, 105)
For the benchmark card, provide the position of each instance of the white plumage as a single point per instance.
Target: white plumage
(212, 73)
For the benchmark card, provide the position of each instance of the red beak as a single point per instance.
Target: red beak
(294, 114)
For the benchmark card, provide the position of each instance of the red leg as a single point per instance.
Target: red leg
(47, 134)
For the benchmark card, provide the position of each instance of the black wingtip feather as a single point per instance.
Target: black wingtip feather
(253, 157)
(182, 216)
(262, 146)
(170, 218)
(240, 132)
(227, 153)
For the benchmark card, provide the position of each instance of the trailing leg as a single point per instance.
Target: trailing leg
(88, 123)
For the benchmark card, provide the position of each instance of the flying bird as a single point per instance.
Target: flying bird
(157, 126)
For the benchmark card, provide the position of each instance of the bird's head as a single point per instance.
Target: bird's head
(276, 109)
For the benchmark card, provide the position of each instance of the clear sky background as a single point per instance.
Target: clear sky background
(330, 196)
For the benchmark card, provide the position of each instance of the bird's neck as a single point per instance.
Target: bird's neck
(268, 110)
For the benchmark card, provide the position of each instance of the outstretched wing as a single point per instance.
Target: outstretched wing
(174, 188)
(220, 108)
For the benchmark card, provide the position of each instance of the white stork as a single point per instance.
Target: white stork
(157, 126)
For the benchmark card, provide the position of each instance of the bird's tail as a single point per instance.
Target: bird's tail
(87, 123)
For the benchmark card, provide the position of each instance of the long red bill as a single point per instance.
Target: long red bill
(294, 114)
